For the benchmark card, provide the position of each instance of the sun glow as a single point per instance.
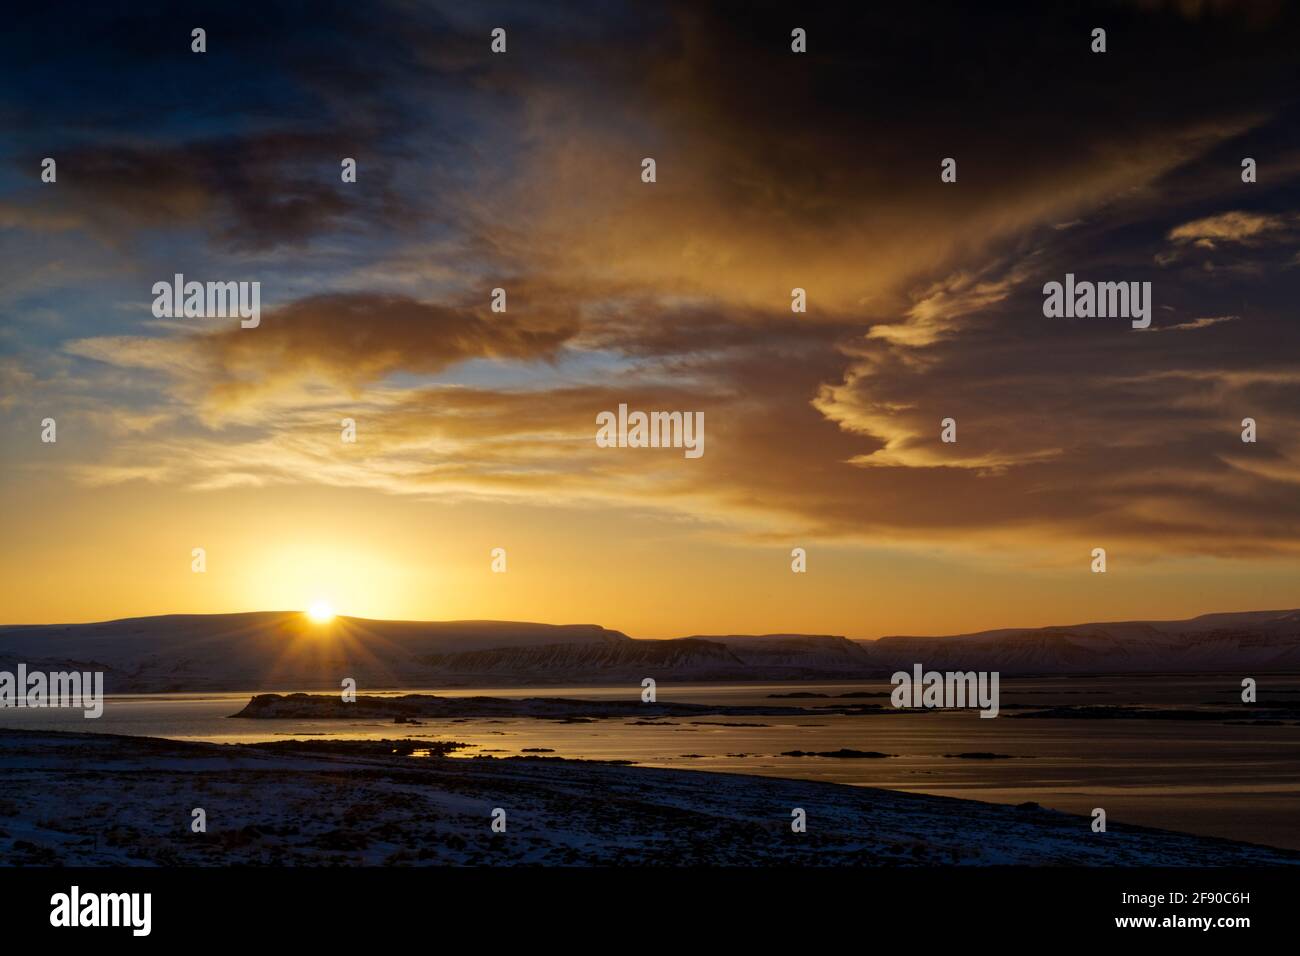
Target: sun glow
(321, 612)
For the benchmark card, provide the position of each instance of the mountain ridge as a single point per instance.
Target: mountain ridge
(272, 650)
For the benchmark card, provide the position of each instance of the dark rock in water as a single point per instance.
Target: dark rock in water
(1116, 712)
(843, 752)
(982, 755)
(1028, 805)
(405, 748)
(406, 708)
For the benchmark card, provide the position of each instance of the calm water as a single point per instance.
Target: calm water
(1235, 781)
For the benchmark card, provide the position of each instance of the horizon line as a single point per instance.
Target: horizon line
(347, 617)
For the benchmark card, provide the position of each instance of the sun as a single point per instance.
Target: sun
(321, 612)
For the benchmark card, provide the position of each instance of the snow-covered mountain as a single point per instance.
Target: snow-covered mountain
(733, 657)
(285, 651)
(1253, 640)
(271, 650)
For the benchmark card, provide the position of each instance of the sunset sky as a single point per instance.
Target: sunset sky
(775, 170)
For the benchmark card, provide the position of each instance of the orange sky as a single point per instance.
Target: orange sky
(120, 552)
(476, 428)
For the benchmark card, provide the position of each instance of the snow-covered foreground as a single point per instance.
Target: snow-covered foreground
(96, 799)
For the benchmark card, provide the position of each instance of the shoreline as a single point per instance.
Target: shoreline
(127, 800)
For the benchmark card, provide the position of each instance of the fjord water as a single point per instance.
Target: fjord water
(1235, 780)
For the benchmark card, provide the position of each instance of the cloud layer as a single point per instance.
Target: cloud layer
(775, 171)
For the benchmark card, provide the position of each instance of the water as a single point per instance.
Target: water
(1241, 782)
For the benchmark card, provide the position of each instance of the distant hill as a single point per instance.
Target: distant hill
(1255, 640)
(271, 650)
(734, 657)
(284, 651)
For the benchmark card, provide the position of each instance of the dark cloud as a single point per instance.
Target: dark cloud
(775, 171)
(251, 193)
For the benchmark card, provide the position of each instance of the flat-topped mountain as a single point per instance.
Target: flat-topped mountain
(271, 650)
(1251, 640)
(287, 651)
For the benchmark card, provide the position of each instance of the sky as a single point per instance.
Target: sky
(774, 170)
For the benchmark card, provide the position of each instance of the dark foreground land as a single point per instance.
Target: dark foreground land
(97, 799)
